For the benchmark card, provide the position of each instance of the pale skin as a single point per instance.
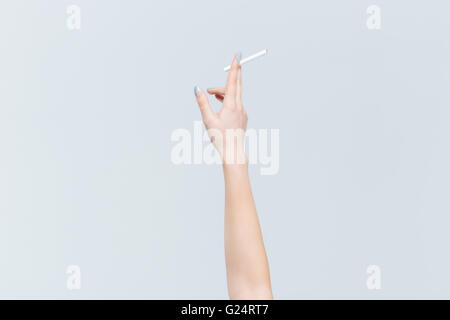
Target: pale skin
(247, 267)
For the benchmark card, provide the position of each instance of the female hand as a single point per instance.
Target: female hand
(226, 128)
(248, 275)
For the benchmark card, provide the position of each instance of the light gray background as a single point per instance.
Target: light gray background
(85, 124)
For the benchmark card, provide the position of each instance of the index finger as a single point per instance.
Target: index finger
(230, 89)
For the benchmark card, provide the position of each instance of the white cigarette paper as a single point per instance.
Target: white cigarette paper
(248, 59)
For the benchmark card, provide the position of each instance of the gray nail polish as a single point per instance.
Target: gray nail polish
(197, 91)
(239, 56)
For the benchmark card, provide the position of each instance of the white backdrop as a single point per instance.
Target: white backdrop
(86, 117)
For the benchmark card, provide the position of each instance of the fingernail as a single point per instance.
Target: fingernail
(197, 91)
(239, 56)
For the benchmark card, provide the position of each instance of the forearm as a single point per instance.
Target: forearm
(246, 262)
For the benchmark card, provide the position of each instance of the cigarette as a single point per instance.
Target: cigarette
(248, 59)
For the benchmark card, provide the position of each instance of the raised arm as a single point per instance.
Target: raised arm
(247, 267)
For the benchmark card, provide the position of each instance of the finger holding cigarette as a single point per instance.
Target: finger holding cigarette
(231, 85)
(231, 115)
(257, 55)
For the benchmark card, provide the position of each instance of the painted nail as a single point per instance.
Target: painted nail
(197, 91)
(238, 57)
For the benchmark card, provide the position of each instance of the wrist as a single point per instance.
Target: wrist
(236, 168)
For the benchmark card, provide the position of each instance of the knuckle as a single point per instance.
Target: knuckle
(206, 121)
